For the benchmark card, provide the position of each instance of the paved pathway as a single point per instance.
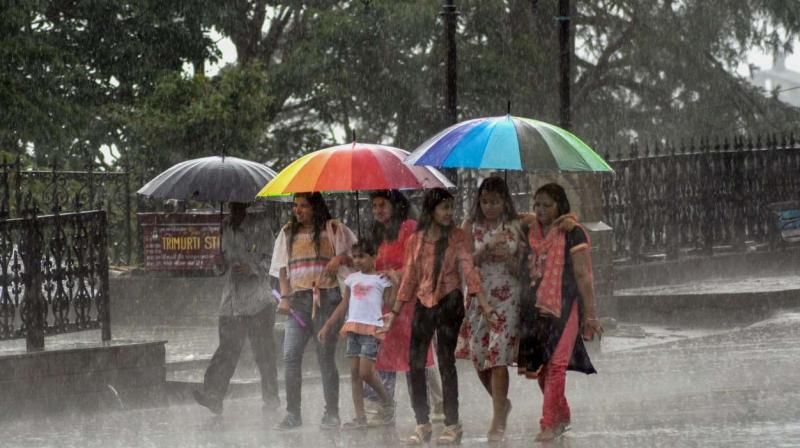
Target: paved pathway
(738, 388)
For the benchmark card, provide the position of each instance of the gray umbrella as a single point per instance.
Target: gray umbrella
(210, 179)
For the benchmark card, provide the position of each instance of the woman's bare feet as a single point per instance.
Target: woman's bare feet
(549, 434)
(498, 428)
(546, 435)
(507, 413)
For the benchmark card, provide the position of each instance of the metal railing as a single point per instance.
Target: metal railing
(53, 276)
(699, 198)
(59, 191)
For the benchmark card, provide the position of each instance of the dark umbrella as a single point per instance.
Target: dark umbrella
(210, 179)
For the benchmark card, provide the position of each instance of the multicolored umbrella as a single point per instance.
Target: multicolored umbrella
(507, 143)
(353, 167)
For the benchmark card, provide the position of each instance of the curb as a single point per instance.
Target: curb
(722, 308)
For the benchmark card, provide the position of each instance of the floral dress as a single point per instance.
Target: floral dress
(494, 345)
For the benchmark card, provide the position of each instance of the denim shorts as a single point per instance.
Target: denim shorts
(361, 345)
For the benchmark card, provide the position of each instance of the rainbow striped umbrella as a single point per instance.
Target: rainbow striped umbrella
(353, 167)
(507, 143)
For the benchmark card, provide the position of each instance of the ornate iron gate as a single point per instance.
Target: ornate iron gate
(53, 276)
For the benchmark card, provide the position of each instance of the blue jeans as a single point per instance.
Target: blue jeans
(363, 346)
(294, 344)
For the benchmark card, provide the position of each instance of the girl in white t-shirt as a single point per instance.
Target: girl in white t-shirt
(363, 301)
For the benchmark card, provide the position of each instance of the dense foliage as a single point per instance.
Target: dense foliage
(79, 75)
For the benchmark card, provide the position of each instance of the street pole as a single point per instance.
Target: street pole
(565, 51)
(451, 67)
(451, 75)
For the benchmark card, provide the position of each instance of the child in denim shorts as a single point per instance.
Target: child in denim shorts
(363, 300)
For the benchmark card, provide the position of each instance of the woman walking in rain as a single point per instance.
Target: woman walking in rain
(497, 239)
(309, 252)
(437, 254)
(391, 230)
(560, 304)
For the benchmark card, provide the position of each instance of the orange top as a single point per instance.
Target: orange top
(419, 263)
(359, 328)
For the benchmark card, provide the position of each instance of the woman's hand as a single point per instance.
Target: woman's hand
(498, 248)
(323, 333)
(284, 306)
(499, 253)
(332, 268)
(591, 327)
(393, 275)
(486, 310)
(387, 319)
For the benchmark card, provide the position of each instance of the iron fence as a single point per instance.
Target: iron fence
(59, 191)
(53, 275)
(699, 198)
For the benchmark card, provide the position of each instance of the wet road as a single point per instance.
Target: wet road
(739, 388)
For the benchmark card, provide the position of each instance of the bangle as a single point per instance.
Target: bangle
(393, 312)
(286, 296)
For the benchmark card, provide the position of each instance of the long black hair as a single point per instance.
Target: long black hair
(557, 194)
(400, 212)
(320, 217)
(433, 198)
(497, 185)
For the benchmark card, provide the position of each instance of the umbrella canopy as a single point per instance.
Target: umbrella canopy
(353, 167)
(507, 143)
(210, 179)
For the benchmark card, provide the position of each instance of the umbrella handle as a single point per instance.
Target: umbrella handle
(358, 217)
(277, 296)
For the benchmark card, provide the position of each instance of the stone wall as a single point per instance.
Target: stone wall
(692, 269)
(83, 376)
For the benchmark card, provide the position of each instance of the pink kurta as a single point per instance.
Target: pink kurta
(394, 352)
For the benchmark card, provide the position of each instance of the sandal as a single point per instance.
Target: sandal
(356, 423)
(422, 434)
(498, 435)
(546, 435)
(451, 435)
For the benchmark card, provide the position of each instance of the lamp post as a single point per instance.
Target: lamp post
(450, 75)
(451, 66)
(565, 50)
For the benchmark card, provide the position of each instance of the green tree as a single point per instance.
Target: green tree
(78, 74)
(668, 68)
(65, 64)
(642, 68)
(190, 117)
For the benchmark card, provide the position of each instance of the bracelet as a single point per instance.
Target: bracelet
(393, 312)
(286, 296)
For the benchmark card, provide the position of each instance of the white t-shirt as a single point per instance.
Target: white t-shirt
(366, 297)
